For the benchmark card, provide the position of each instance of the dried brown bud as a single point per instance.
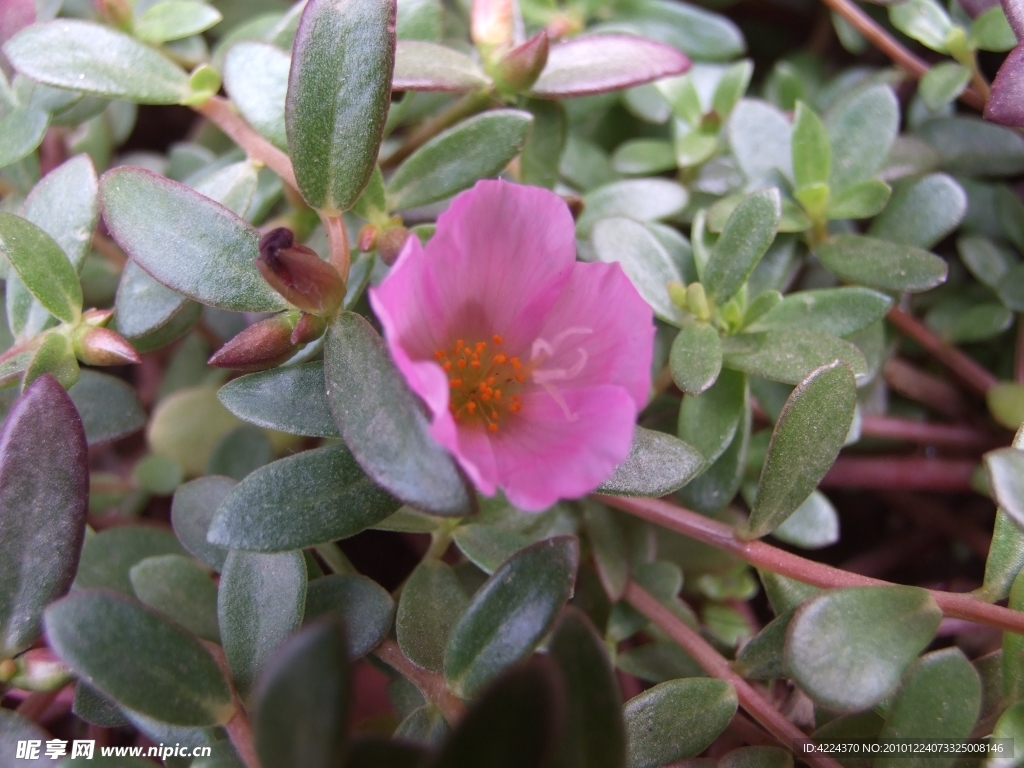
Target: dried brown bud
(102, 346)
(297, 273)
(575, 203)
(390, 243)
(519, 68)
(261, 345)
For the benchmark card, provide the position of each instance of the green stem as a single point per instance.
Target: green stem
(334, 558)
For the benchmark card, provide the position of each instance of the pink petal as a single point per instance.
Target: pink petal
(500, 257)
(544, 456)
(618, 344)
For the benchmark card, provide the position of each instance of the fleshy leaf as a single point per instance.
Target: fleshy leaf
(256, 76)
(881, 264)
(424, 66)
(292, 399)
(601, 63)
(42, 266)
(89, 57)
(657, 465)
(137, 657)
(339, 91)
(186, 241)
(43, 502)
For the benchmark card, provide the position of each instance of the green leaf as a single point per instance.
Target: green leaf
(761, 657)
(880, 630)
(291, 399)
(640, 199)
(302, 704)
(807, 438)
(696, 358)
(477, 148)
(186, 241)
(88, 57)
(812, 155)
(788, 355)
(973, 147)
(960, 321)
(16, 729)
(988, 261)
(383, 423)
(942, 84)
(109, 407)
(21, 131)
(187, 425)
(881, 264)
(644, 157)
(658, 662)
(862, 129)
(138, 658)
(992, 32)
(1010, 724)
(1006, 403)
(595, 734)
(708, 422)
(748, 232)
(510, 613)
(514, 724)
(1005, 558)
(814, 524)
(731, 87)
(703, 35)
(339, 91)
(420, 20)
(922, 212)
(174, 19)
(657, 465)
(424, 66)
(940, 699)
(56, 357)
(860, 201)
(42, 266)
(260, 602)
(179, 588)
(835, 311)
(364, 604)
(924, 21)
(192, 510)
(1005, 471)
(538, 163)
(256, 76)
(676, 720)
(432, 601)
(95, 708)
(760, 136)
(43, 501)
(1013, 649)
(643, 258)
(241, 452)
(311, 498)
(108, 557)
(144, 307)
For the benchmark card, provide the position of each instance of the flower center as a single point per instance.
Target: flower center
(484, 381)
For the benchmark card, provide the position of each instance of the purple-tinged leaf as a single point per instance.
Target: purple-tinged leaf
(1006, 100)
(602, 63)
(974, 8)
(44, 482)
(423, 66)
(1014, 10)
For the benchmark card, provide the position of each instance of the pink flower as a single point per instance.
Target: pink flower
(533, 366)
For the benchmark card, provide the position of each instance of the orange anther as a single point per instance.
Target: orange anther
(471, 407)
(492, 427)
(439, 354)
(447, 365)
(481, 346)
(520, 379)
(515, 363)
(461, 364)
(497, 339)
(497, 394)
(454, 383)
(500, 358)
(475, 364)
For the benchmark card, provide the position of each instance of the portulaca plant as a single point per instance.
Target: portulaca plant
(459, 383)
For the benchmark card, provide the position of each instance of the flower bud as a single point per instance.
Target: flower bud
(37, 670)
(390, 243)
(97, 317)
(102, 346)
(298, 274)
(367, 238)
(261, 345)
(492, 22)
(309, 328)
(519, 68)
(697, 301)
(677, 294)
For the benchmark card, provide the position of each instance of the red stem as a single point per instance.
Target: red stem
(950, 435)
(240, 733)
(904, 473)
(717, 666)
(938, 394)
(432, 686)
(972, 374)
(761, 555)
